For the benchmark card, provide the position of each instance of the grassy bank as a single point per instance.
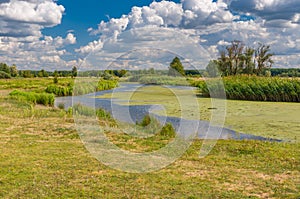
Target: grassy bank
(31, 84)
(64, 87)
(253, 88)
(42, 157)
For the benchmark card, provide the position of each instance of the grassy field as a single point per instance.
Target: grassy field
(32, 84)
(270, 119)
(42, 156)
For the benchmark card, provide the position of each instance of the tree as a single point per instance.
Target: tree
(5, 68)
(27, 74)
(74, 72)
(235, 52)
(176, 68)
(55, 74)
(4, 75)
(238, 60)
(14, 71)
(212, 69)
(263, 58)
(249, 66)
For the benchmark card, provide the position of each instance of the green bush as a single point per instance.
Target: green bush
(32, 97)
(168, 131)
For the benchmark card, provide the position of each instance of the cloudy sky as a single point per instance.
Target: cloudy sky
(51, 34)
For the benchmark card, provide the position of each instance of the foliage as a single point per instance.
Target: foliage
(74, 72)
(176, 68)
(59, 90)
(285, 72)
(4, 75)
(163, 80)
(32, 97)
(106, 85)
(238, 59)
(26, 74)
(212, 69)
(81, 88)
(254, 88)
(7, 72)
(55, 79)
(168, 131)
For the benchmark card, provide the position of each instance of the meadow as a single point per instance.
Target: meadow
(42, 155)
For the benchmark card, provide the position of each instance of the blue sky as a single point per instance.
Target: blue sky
(50, 34)
(79, 17)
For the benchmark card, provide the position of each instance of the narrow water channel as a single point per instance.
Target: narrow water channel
(134, 113)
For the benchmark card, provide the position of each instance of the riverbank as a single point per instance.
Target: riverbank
(42, 156)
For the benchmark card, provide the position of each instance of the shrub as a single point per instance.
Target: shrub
(61, 106)
(168, 131)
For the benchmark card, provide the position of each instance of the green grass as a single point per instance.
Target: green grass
(43, 157)
(32, 97)
(245, 87)
(270, 119)
(163, 80)
(31, 84)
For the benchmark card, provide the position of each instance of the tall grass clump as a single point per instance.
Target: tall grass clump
(32, 97)
(106, 84)
(59, 90)
(254, 88)
(163, 80)
(81, 88)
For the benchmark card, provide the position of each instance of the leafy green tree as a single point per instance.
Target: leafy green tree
(27, 74)
(55, 74)
(5, 68)
(107, 75)
(40, 74)
(14, 71)
(235, 53)
(212, 69)
(263, 58)
(74, 72)
(4, 75)
(248, 58)
(238, 59)
(176, 68)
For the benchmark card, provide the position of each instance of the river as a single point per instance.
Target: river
(134, 113)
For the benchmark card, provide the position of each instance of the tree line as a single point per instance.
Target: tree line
(7, 72)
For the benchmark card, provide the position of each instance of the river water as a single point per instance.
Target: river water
(133, 113)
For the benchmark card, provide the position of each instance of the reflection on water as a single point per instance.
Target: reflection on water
(135, 113)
